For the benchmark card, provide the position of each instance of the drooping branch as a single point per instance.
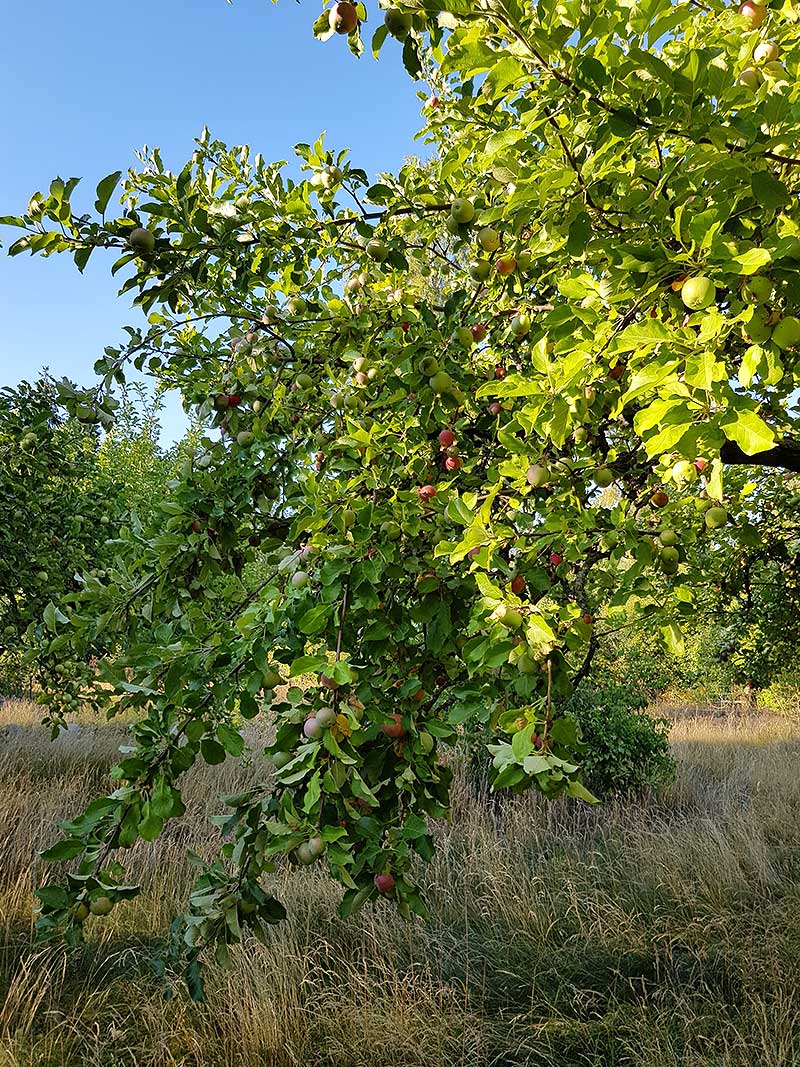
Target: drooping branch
(785, 455)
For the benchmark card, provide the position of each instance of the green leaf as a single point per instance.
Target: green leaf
(64, 850)
(768, 190)
(212, 751)
(104, 190)
(748, 430)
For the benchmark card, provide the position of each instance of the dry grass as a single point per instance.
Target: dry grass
(664, 932)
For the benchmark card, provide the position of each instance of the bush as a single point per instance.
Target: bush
(782, 696)
(627, 749)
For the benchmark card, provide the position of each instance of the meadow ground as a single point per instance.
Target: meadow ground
(652, 933)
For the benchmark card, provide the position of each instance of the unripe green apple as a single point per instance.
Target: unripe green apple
(303, 854)
(758, 330)
(489, 239)
(521, 324)
(245, 438)
(142, 241)
(508, 617)
(537, 475)
(426, 742)
(101, 906)
(377, 250)
(463, 336)
(766, 52)
(669, 554)
(316, 846)
(668, 538)
(304, 381)
(428, 365)
(299, 579)
(462, 210)
(749, 78)
(479, 270)
(397, 22)
(441, 382)
(684, 471)
(280, 759)
(716, 517)
(82, 912)
(698, 293)
(757, 290)
(296, 306)
(603, 477)
(526, 664)
(786, 334)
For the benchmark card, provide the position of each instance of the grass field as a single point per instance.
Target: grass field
(655, 933)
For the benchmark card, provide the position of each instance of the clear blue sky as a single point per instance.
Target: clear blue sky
(85, 84)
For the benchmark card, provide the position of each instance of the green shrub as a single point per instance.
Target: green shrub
(627, 749)
(782, 696)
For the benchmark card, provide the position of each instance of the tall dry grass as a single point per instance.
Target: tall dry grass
(659, 932)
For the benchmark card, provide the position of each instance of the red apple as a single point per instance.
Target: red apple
(518, 585)
(556, 558)
(446, 438)
(426, 493)
(754, 13)
(495, 408)
(452, 463)
(659, 499)
(701, 464)
(479, 331)
(499, 371)
(505, 265)
(617, 371)
(384, 883)
(234, 400)
(343, 17)
(587, 618)
(394, 729)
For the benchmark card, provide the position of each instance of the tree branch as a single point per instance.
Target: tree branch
(785, 455)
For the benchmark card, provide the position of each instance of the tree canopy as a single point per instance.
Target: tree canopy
(457, 425)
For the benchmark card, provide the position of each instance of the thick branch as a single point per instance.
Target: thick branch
(785, 455)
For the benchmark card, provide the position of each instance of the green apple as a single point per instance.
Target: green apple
(397, 22)
(462, 210)
(786, 333)
(698, 293)
(757, 290)
(377, 250)
(489, 239)
(603, 477)
(716, 517)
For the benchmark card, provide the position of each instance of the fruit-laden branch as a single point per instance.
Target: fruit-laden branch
(785, 455)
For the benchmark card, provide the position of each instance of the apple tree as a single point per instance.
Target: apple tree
(458, 422)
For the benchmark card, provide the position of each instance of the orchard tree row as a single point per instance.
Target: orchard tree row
(459, 424)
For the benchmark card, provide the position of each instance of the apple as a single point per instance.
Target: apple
(316, 847)
(716, 517)
(463, 335)
(754, 13)
(377, 250)
(508, 617)
(787, 332)
(303, 854)
(495, 408)
(327, 682)
(518, 585)
(428, 365)
(749, 78)
(479, 270)
(311, 728)
(586, 618)
(698, 293)
(446, 438)
(234, 400)
(141, 241)
(426, 493)
(296, 305)
(499, 371)
(556, 559)
(758, 329)
(245, 438)
(441, 382)
(452, 463)
(384, 883)
(684, 471)
(462, 210)
(669, 554)
(701, 464)
(659, 499)
(479, 331)
(304, 381)
(101, 905)
(82, 912)
(361, 378)
(299, 579)
(397, 22)
(505, 265)
(489, 239)
(360, 363)
(603, 477)
(617, 371)
(343, 17)
(757, 290)
(766, 52)
(668, 538)
(538, 475)
(325, 716)
(394, 729)
(520, 324)
(353, 285)
(281, 758)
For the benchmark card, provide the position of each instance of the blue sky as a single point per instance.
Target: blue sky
(86, 84)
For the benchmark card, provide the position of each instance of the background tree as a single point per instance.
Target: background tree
(422, 481)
